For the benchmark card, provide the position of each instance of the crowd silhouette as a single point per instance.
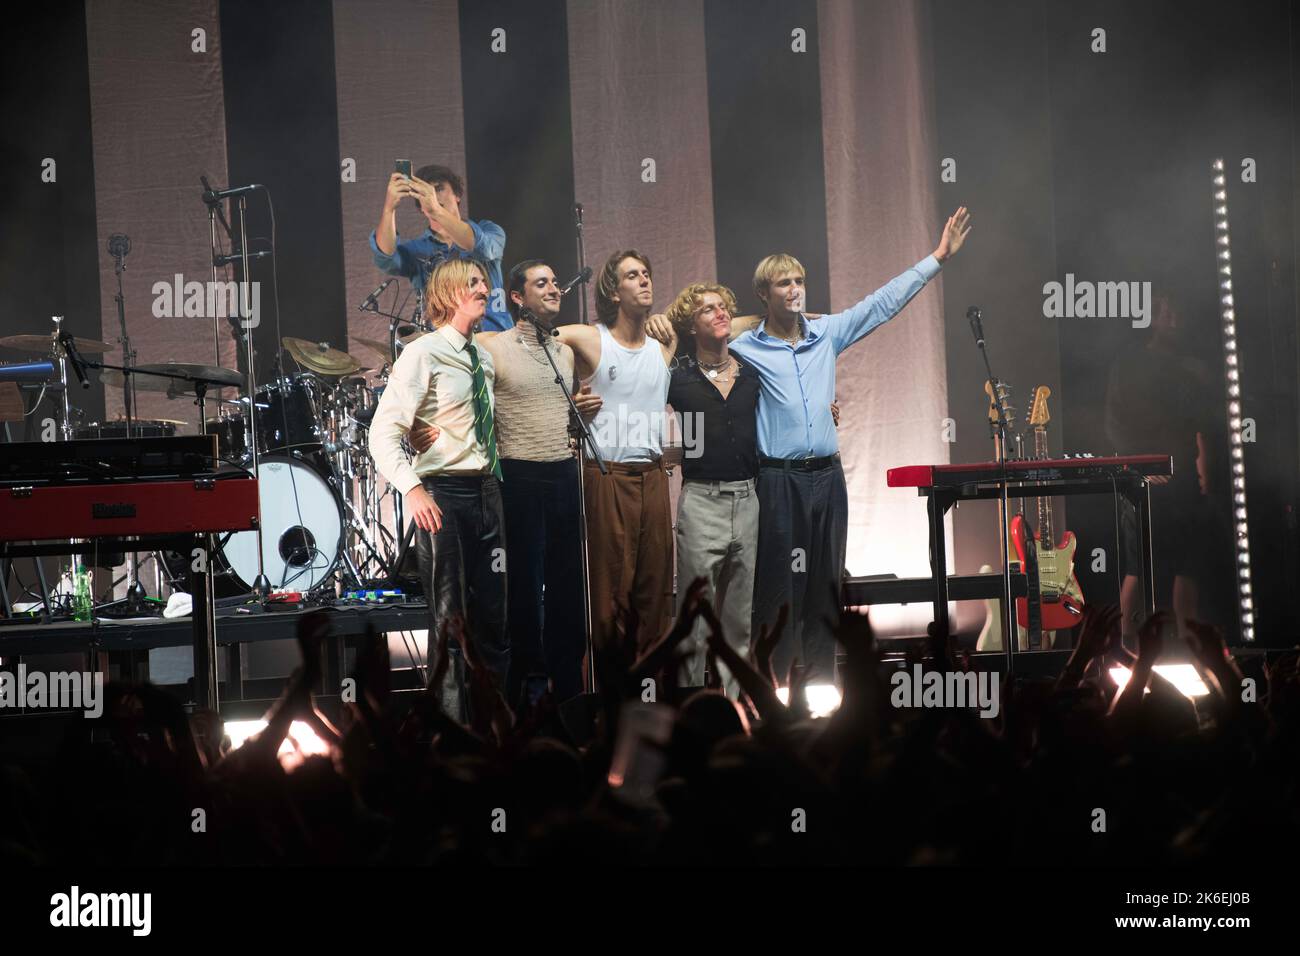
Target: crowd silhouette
(754, 782)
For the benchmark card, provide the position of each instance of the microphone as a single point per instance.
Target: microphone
(215, 195)
(119, 244)
(543, 328)
(210, 198)
(73, 359)
(236, 257)
(974, 316)
(370, 299)
(576, 281)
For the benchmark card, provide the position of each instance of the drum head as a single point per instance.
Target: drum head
(302, 529)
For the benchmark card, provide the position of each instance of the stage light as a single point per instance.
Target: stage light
(823, 699)
(301, 741)
(1182, 676)
(1240, 515)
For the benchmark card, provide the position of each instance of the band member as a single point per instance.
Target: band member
(803, 499)
(716, 396)
(629, 525)
(540, 487)
(1157, 399)
(440, 194)
(452, 490)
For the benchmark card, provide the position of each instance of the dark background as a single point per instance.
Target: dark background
(1092, 163)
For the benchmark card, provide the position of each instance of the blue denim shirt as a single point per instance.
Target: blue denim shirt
(798, 382)
(416, 258)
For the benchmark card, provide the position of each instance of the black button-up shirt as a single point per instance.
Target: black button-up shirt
(721, 438)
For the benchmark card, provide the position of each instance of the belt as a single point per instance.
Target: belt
(799, 464)
(741, 486)
(627, 467)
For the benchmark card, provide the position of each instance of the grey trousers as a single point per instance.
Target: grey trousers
(717, 539)
(802, 544)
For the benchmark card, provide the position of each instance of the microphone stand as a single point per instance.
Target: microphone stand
(119, 246)
(582, 260)
(1004, 506)
(213, 199)
(579, 436)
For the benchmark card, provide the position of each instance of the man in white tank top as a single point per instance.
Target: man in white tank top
(629, 526)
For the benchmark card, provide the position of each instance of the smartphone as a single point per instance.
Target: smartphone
(404, 167)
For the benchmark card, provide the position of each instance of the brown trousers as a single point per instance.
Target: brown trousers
(630, 547)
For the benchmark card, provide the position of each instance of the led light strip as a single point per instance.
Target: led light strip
(1232, 378)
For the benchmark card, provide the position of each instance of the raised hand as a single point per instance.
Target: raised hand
(1151, 636)
(798, 683)
(1098, 632)
(954, 234)
(1099, 629)
(399, 187)
(763, 644)
(1206, 642)
(427, 195)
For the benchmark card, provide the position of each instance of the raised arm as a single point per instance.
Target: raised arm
(852, 325)
(585, 342)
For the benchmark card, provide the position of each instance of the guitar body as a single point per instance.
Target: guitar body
(1061, 596)
(1056, 600)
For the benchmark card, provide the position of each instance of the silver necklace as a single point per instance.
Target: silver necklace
(712, 371)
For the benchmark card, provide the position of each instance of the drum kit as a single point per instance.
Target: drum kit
(325, 522)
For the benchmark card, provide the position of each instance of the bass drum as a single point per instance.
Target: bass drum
(302, 529)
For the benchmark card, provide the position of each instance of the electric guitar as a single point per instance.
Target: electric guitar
(1061, 596)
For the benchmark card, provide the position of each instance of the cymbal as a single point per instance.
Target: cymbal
(379, 348)
(43, 344)
(408, 339)
(158, 378)
(318, 357)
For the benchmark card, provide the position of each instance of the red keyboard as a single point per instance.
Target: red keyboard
(1045, 469)
(128, 508)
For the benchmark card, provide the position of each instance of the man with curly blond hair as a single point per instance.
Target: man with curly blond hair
(715, 396)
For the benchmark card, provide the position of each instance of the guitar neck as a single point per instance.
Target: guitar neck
(1045, 534)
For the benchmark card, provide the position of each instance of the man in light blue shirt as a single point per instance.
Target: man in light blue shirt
(439, 192)
(803, 498)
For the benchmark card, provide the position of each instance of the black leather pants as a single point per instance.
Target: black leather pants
(463, 567)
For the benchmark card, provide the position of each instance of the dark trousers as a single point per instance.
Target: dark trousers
(464, 569)
(547, 630)
(803, 522)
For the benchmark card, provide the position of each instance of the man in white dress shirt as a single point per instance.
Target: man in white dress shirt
(452, 489)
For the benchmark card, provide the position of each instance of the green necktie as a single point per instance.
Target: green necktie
(485, 428)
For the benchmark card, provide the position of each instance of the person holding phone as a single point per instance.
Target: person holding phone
(440, 194)
(452, 489)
